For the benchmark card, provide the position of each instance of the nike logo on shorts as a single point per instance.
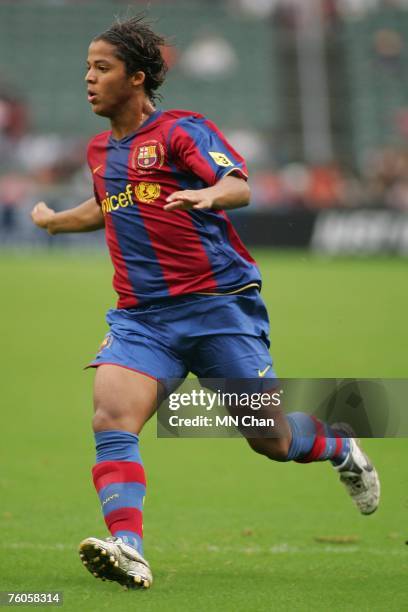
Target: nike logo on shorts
(262, 373)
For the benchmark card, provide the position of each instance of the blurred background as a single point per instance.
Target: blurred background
(313, 93)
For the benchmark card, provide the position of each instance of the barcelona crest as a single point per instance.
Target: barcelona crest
(149, 155)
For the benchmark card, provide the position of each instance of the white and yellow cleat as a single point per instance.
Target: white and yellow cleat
(360, 478)
(111, 559)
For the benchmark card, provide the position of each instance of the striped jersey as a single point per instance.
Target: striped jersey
(157, 253)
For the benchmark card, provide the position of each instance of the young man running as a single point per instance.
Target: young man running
(188, 289)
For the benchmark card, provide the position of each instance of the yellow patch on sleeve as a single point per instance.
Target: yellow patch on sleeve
(221, 159)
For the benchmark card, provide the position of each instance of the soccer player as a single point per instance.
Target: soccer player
(189, 291)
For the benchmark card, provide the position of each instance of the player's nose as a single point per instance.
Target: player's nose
(90, 76)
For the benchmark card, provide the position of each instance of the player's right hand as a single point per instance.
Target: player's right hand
(41, 215)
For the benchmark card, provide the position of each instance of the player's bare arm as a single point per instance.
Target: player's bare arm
(229, 193)
(87, 217)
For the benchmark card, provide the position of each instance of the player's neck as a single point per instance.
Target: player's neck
(131, 118)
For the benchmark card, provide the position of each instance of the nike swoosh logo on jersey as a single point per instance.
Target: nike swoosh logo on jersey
(96, 169)
(262, 373)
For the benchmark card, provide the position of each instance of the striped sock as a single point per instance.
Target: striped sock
(313, 440)
(120, 482)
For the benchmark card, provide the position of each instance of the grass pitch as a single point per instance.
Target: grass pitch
(224, 529)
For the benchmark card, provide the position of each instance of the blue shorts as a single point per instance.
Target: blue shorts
(223, 336)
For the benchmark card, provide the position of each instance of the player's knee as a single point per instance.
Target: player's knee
(106, 415)
(119, 413)
(101, 421)
(273, 448)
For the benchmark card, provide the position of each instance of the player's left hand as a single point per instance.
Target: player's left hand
(185, 200)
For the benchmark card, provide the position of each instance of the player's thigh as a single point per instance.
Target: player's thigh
(241, 365)
(130, 364)
(124, 399)
(237, 365)
(233, 356)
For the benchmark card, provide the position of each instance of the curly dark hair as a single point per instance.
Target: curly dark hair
(140, 49)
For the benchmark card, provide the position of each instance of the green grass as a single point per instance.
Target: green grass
(224, 529)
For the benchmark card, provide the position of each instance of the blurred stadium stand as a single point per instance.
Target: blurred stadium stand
(376, 57)
(237, 61)
(43, 53)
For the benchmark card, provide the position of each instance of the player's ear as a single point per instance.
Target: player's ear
(138, 78)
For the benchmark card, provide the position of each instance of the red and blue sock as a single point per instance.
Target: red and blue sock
(120, 482)
(313, 440)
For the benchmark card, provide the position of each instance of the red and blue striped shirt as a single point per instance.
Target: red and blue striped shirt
(158, 253)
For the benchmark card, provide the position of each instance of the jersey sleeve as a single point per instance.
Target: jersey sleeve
(97, 198)
(199, 147)
(89, 158)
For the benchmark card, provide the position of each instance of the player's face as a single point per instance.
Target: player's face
(109, 87)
